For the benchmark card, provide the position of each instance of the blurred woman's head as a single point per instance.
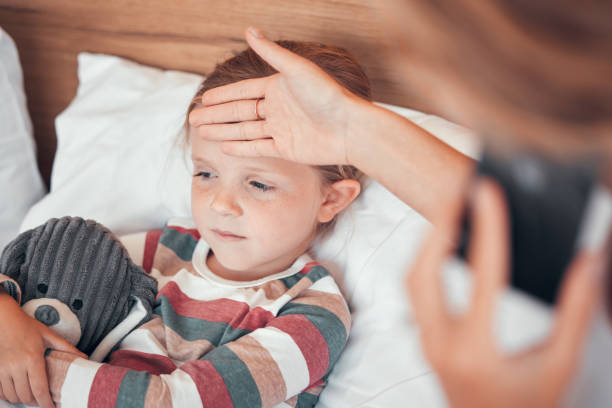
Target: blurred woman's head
(531, 71)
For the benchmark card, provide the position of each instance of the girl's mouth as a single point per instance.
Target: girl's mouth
(227, 236)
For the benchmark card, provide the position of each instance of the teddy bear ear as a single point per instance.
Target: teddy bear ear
(14, 255)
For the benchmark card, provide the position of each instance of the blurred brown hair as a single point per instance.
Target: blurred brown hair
(335, 61)
(521, 67)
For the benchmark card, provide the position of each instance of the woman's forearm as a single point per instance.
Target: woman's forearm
(417, 167)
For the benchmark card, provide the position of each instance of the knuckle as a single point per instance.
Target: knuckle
(242, 131)
(245, 110)
(202, 132)
(243, 92)
(261, 127)
(235, 110)
(258, 148)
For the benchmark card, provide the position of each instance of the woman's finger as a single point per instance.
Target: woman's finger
(249, 130)
(280, 58)
(237, 111)
(424, 282)
(247, 89)
(56, 342)
(580, 292)
(39, 384)
(252, 148)
(424, 279)
(488, 254)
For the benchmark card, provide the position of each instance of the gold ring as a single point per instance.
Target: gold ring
(256, 109)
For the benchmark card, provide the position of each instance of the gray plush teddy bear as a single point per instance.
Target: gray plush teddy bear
(76, 277)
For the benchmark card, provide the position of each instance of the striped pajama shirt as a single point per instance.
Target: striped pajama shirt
(213, 342)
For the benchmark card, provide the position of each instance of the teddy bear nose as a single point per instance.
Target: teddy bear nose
(47, 314)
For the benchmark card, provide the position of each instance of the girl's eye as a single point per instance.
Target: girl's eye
(260, 186)
(204, 174)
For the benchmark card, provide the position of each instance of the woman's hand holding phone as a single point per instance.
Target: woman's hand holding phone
(462, 349)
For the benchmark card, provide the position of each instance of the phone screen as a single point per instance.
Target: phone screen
(546, 202)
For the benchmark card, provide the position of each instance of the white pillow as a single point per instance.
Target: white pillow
(114, 147)
(116, 163)
(20, 183)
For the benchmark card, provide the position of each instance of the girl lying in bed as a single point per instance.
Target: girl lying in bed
(244, 317)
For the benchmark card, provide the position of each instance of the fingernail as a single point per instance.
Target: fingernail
(256, 32)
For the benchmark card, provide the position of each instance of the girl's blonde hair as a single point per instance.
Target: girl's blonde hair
(335, 61)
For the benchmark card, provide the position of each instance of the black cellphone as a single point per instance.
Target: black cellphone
(547, 200)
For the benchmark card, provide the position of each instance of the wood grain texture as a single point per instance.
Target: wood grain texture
(189, 35)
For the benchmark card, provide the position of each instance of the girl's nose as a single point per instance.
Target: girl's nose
(225, 203)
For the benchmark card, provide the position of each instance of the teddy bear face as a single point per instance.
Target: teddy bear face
(81, 313)
(57, 316)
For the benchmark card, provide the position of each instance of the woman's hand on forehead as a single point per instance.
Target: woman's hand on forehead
(300, 114)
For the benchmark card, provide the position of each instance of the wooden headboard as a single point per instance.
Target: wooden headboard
(189, 35)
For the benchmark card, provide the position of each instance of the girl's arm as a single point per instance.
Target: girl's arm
(292, 353)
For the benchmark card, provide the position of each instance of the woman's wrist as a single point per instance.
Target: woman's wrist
(365, 129)
(413, 164)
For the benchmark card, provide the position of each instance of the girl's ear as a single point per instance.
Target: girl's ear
(337, 197)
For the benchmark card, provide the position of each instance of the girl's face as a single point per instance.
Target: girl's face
(257, 214)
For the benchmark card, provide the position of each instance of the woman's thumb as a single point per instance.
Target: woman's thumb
(56, 342)
(280, 58)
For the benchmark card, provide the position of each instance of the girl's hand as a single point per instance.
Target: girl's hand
(305, 114)
(473, 371)
(23, 374)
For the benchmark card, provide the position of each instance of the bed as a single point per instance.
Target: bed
(88, 67)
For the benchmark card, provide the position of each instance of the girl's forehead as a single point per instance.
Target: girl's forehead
(209, 153)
